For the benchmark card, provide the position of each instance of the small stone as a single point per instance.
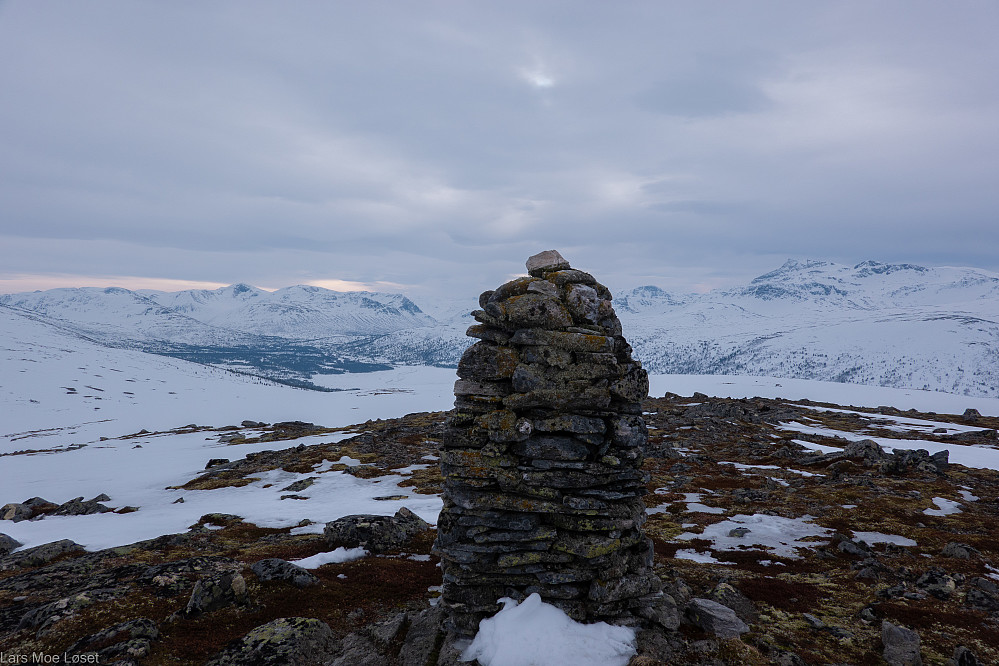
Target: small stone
(549, 260)
(215, 462)
(739, 532)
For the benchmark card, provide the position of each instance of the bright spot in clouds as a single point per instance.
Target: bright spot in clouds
(537, 77)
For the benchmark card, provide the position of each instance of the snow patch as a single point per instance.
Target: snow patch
(536, 633)
(338, 556)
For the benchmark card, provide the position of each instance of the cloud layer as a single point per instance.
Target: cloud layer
(436, 145)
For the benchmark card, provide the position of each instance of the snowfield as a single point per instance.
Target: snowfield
(66, 402)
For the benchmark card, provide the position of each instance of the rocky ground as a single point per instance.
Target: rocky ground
(223, 593)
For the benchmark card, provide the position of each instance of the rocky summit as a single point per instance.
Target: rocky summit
(542, 458)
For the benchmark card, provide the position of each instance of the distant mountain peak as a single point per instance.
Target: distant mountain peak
(870, 267)
(790, 267)
(242, 288)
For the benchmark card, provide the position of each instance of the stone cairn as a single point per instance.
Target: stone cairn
(542, 457)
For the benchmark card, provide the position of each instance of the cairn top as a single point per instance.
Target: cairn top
(549, 260)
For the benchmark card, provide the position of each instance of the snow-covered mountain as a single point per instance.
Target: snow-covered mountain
(121, 317)
(299, 312)
(898, 325)
(883, 324)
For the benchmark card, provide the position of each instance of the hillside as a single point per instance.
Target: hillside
(815, 523)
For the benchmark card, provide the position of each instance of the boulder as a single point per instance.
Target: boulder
(212, 593)
(287, 641)
(8, 543)
(901, 645)
(275, 568)
(375, 533)
(715, 618)
(33, 557)
(16, 512)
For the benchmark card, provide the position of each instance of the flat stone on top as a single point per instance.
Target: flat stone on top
(549, 260)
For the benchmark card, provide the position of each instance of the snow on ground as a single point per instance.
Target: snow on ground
(777, 535)
(944, 507)
(904, 423)
(733, 386)
(872, 538)
(63, 393)
(337, 556)
(968, 455)
(534, 632)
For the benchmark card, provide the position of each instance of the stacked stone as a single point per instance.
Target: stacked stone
(542, 457)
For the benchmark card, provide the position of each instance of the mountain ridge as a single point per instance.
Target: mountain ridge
(899, 325)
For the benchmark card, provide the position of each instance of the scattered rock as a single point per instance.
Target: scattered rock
(375, 533)
(291, 641)
(215, 462)
(715, 618)
(901, 645)
(277, 569)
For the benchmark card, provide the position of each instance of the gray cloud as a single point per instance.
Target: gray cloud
(427, 144)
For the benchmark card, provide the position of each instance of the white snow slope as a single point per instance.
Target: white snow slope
(60, 394)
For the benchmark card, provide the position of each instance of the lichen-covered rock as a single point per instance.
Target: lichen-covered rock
(212, 593)
(274, 568)
(542, 458)
(288, 641)
(375, 533)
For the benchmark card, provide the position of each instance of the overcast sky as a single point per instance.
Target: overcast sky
(430, 147)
